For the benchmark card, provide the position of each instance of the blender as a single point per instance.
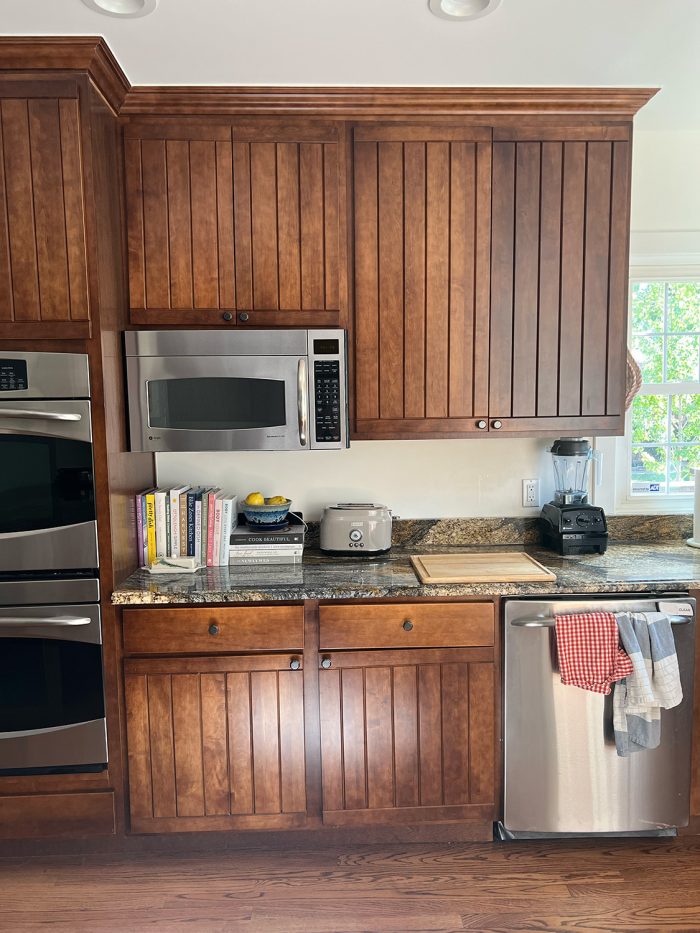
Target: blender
(570, 524)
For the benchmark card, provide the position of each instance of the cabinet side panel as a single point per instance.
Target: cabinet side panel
(619, 277)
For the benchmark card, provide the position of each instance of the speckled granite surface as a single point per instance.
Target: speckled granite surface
(623, 568)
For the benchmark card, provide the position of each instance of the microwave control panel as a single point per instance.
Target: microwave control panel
(327, 399)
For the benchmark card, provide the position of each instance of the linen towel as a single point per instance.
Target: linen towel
(653, 685)
(588, 645)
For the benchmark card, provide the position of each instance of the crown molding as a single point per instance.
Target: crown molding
(348, 102)
(89, 54)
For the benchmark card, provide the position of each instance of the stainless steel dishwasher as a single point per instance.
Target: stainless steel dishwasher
(562, 771)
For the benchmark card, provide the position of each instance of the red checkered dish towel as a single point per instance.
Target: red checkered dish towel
(589, 651)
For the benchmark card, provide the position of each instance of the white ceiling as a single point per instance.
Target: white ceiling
(524, 42)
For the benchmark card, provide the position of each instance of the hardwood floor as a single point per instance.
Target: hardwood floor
(621, 886)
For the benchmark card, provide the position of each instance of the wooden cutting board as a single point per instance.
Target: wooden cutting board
(491, 567)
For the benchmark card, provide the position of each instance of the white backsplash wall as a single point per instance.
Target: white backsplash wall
(416, 479)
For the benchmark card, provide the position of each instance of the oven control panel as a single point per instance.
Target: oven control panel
(13, 375)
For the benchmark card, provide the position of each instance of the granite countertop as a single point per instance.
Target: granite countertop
(625, 567)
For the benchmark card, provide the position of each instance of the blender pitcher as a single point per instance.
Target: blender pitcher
(571, 457)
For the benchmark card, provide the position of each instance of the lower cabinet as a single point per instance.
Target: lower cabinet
(215, 743)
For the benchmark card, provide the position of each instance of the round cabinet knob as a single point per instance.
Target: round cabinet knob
(325, 663)
(213, 629)
(243, 316)
(355, 534)
(295, 664)
(481, 424)
(408, 625)
(497, 425)
(227, 316)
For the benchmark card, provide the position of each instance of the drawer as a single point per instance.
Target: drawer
(213, 631)
(407, 625)
(67, 815)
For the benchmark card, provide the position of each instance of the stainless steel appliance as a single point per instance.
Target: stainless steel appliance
(237, 390)
(562, 771)
(52, 715)
(47, 491)
(357, 528)
(570, 524)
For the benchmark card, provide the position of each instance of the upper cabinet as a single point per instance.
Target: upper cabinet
(235, 223)
(43, 260)
(421, 212)
(559, 258)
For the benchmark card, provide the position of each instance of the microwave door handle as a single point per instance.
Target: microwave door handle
(39, 415)
(45, 620)
(302, 401)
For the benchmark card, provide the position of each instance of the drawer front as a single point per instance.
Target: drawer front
(407, 625)
(213, 631)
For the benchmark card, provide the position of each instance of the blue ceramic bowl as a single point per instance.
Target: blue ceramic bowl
(266, 514)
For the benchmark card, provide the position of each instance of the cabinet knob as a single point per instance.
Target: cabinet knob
(481, 424)
(243, 316)
(295, 664)
(213, 629)
(227, 316)
(325, 662)
(408, 625)
(497, 424)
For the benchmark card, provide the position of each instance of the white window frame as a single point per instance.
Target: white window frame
(611, 488)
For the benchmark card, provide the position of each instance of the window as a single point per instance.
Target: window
(653, 464)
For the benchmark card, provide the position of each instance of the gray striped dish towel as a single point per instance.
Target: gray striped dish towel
(654, 684)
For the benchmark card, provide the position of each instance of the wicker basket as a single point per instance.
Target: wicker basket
(634, 380)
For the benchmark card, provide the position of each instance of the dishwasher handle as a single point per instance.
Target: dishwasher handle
(550, 623)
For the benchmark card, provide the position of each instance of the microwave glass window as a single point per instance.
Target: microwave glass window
(46, 683)
(216, 403)
(44, 482)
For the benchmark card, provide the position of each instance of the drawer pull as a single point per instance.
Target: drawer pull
(326, 662)
(213, 629)
(294, 664)
(408, 625)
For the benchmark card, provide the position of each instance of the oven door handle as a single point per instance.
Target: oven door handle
(551, 623)
(45, 620)
(302, 401)
(40, 415)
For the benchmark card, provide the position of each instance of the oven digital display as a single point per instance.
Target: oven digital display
(327, 347)
(13, 375)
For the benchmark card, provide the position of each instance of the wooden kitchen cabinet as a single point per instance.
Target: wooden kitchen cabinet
(421, 218)
(559, 277)
(215, 743)
(235, 223)
(43, 259)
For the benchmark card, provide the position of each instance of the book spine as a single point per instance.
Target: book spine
(151, 526)
(190, 523)
(160, 524)
(168, 531)
(198, 529)
(203, 534)
(217, 533)
(238, 540)
(174, 525)
(183, 524)
(139, 530)
(292, 551)
(144, 556)
(262, 561)
(210, 529)
(226, 507)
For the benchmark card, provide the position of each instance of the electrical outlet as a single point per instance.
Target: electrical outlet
(531, 493)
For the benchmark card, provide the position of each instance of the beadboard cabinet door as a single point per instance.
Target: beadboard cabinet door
(559, 279)
(43, 259)
(407, 736)
(235, 223)
(421, 213)
(215, 743)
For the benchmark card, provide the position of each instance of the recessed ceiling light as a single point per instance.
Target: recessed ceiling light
(125, 8)
(462, 9)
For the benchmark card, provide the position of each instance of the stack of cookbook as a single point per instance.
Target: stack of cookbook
(186, 521)
(256, 545)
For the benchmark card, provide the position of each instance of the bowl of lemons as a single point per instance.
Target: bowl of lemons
(261, 511)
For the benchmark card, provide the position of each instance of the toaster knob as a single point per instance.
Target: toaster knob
(355, 534)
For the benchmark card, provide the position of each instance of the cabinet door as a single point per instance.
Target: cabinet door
(559, 279)
(43, 262)
(236, 224)
(407, 736)
(215, 743)
(421, 211)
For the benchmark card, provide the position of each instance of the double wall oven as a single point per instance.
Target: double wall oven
(51, 685)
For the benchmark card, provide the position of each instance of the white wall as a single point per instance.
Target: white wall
(451, 478)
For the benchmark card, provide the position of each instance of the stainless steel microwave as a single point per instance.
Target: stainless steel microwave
(237, 389)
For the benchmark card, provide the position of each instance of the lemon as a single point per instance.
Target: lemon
(277, 500)
(255, 498)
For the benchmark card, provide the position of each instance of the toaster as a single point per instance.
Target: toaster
(356, 528)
